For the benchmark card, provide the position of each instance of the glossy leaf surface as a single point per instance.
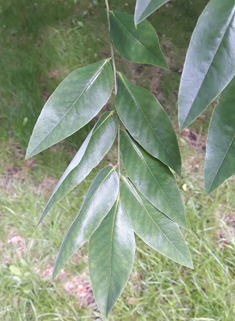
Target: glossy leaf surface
(136, 45)
(153, 227)
(210, 61)
(153, 179)
(98, 202)
(111, 257)
(92, 151)
(144, 8)
(147, 122)
(73, 104)
(220, 148)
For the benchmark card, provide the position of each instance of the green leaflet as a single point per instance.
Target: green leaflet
(98, 202)
(136, 45)
(92, 151)
(220, 147)
(210, 61)
(144, 8)
(111, 257)
(73, 104)
(153, 227)
(147, 122)
(153, 179)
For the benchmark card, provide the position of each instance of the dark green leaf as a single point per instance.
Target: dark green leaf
(210, 61)
(111, 257)
(144, 8)
(74, 103)
(153, 179)
(92, 151)
(220, 148)
(147, 122)
(136, 45)
(98, 202)
(153, 227)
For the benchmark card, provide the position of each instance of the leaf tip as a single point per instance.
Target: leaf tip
(183, 121)
(136, 22)
(27, 155)
(55, 271)
(39, 222)
(43, 215)
(178, 170)
(184, 225)
(182, 124)
(165, 65)
(208, 189)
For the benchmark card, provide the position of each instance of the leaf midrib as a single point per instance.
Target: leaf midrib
(136, 39)
(152, 11)
(111, 251)
(85, 88)
(226, 153)
(127, 183)
(143, 160)
(75, 167)
(163, 232)
(77, 216)
(213, 58)
(136, 102)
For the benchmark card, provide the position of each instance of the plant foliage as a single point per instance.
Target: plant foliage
(142, 197)
(209, 71)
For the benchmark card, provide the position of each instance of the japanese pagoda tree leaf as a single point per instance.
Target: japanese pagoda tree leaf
(92, 151)
(153, 227)
(144, 8)
(97, 204)
(111, 257)
(210, 61)
(73, 104)
(139, 45)
(220, 147)
(153, 179)
(147, 122)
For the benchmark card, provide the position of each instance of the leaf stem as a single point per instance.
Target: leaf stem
(115, 86)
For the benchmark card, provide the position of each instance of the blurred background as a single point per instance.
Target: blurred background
(41, 42)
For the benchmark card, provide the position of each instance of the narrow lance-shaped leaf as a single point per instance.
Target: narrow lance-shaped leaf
(136, 45)
(153, 179)
(220, 147)
(144, 8)
(92, 151)
(147, 122)
(153, 227)
(73, 104)
(98, 202)
(210, 61)
(111, 257)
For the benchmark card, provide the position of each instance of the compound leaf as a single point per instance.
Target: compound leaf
(136, 45)
(98, 202)
(147, 122)
(220, 147)
(73, 104)
(144, 8)
(210, 61)
(153, 227)
(92, 151)
(111, 257)
(153, 179)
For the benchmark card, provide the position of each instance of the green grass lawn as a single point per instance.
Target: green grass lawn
(40, 43)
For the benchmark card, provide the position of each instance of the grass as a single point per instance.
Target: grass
(158, 289)
(40, 43)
